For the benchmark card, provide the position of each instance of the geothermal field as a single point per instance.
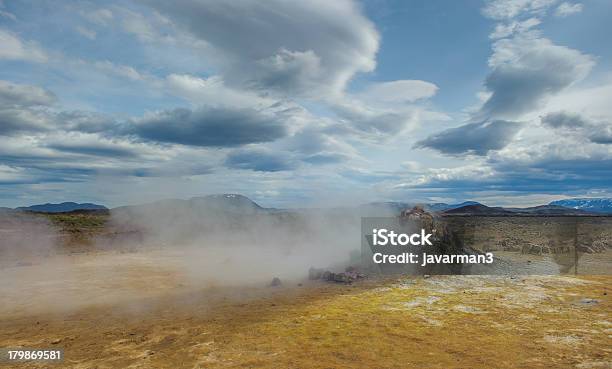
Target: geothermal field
(200, 285)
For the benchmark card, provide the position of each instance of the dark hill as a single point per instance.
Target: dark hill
(224, 203)
(440, 206)
(62, 208)
(594, 205)
(478, 209)
(549, 210)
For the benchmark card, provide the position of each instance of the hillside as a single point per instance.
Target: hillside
(541, 210)
(440, 206)
(225, 203)
(62, 207)
(549, 210)
(478, 209)
(595, 205)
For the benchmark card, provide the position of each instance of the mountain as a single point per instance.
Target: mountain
(440, 206)
(223, 203)
(62, 208)
(477, 209)
(226, 202)
(595, 205)
(549, 210)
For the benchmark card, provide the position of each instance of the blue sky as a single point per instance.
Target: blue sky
(305, 103)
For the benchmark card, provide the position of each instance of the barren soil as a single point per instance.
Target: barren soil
(117, 310)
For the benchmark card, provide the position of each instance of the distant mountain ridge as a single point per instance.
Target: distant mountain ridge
(478, 209)
(551, 210)
(228, 203)
(62, 207)
(596, 205)
(440, 206)
(236, 203)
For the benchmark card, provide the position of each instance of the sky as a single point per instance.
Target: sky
(305, 104)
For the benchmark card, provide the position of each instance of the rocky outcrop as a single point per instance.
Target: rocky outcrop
(350, 275)
(446, 238)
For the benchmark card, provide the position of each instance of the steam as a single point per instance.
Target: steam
(29, 263)
(169, 248)
(242, 244)
(26, 237)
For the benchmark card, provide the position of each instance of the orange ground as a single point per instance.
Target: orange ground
(440, 322)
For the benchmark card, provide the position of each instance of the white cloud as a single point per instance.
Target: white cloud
(124, 71)
(514, 27)
(400, 91)
(566, 9)
(289, 72)
(528, 69)
(12, 175)
(5, 14)
(507, 9)
(13, 48)
(299, 46)
(100, 17)
(459, 173)
(19, 108)
(213, 91)
(321, 47)
(87, 33)
(593, 100)
(19, 95)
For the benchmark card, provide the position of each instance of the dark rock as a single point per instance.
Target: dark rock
(350, 275)
(276, 282)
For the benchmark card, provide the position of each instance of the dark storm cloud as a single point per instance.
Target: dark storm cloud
(218, 127)
(564, 120)
(473, 138)
(259, 160)
(602, 136)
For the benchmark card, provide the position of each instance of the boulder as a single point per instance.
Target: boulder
(276, 282)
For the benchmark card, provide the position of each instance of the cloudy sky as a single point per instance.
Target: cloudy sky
(305, 103)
